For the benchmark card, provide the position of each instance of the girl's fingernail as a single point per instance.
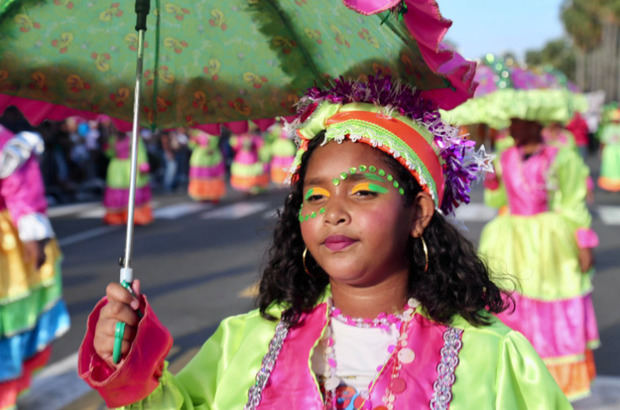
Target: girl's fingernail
(134, 304)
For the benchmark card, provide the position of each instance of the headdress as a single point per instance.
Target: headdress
(394, 118)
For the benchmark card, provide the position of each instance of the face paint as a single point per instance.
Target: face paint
(304, 218)
(373, 173)
(316, 191)
(369, 186)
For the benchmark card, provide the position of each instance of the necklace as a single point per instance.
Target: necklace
(401, 354)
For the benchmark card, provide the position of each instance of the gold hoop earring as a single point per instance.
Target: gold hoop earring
(303, 261)
(425, 249)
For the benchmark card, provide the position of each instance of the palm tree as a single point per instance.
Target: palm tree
(593, 26)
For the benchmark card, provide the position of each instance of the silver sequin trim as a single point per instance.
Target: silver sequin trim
(269, 361)
(442, 388)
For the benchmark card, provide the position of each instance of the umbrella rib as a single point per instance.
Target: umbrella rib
(307, 57)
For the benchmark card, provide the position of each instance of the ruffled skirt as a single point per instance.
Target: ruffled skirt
(535, 258)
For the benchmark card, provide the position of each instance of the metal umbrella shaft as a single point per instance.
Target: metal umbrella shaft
(126, 273)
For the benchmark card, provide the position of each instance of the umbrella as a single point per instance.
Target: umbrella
(211, 62)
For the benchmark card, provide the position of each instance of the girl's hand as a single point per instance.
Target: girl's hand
(586, 259)
(122, 307)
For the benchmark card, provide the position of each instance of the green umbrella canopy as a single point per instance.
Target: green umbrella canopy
(213, 61)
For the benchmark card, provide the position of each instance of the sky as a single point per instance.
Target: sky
(496, 26)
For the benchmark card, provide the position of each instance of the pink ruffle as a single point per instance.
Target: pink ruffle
(555, 328)
(37, 111)
(586, 238)
(118, 198)
(369, 7)
(207, 172)
(138, 373)
(428, 27)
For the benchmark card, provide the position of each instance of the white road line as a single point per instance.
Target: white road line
(475, 213)
(91, 233)
(610, 215)
(235, 211)
(272, 213)
(179, 210)
(63, 210)
(55, 386)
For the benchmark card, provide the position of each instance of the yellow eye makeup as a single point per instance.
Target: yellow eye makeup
(316, 191)
(369, 186)
(372, 173)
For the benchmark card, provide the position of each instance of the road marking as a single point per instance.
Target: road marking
(236, 211)
(91, 233)
(475, 213)
(179, 210)
(62, 210)
(250, 292)
(272, 213)
(55, 386)
(610, 215)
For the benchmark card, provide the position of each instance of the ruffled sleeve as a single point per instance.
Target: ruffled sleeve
(568, 179)
(523, 381)
(221, 373)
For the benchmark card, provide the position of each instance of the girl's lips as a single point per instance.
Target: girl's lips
(338, 242)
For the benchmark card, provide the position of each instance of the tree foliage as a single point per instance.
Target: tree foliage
(558, 53)
(583, 20)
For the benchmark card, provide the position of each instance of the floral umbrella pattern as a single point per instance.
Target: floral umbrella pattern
(209, 62)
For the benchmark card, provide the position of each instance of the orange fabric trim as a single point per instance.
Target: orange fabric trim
(609, 184)
(248, 183)
(10, 389)
(206, 190)
(574, 378)
(142, 216)
(278, 176)
(407, 134)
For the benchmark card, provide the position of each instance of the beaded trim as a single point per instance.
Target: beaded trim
(442, 388)
(269, 361)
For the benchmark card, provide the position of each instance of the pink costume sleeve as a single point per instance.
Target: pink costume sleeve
(138, 373)
(586, 238)
(23, 191)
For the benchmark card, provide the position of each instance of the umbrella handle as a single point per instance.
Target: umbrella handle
(142, 10)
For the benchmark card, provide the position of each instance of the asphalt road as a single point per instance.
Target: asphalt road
(197, 264)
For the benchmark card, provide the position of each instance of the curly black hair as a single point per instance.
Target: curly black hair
(456, 281)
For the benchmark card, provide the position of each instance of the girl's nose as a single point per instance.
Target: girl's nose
(336, 212)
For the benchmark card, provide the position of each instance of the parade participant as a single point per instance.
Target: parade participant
(545, 242)
(370, 299)
(555, 134)
(247, 173)
(609, 179)
(32, 312)
(116, 193)
(283, 154)
(207, 171)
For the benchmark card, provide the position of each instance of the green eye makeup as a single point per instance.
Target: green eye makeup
(316, 191)
(369, 186)
(373, 173)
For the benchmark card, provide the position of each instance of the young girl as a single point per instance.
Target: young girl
(32, 312)
(609, 179)
(116, 192)
(370, 299)
(544, 240)
(207, 171)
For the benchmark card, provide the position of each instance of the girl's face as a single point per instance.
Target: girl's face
(353, 219)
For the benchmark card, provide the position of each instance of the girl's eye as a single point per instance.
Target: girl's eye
(366, 189)
(316, 194)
